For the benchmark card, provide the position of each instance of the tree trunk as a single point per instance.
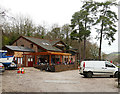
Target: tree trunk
(79, 45)
(101, 32)
(84, 53)
(67, 40)
(79, 50)
(0, 37)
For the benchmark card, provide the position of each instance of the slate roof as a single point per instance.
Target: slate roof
(53, 42)
(46, 44)
(19, 48)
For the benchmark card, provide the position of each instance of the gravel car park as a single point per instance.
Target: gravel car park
(35, 80)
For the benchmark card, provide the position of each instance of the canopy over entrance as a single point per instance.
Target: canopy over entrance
(49, 54)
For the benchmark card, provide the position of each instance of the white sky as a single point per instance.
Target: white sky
(49, 12)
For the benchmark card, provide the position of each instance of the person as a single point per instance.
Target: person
(65, 63)
(39, 61)
(46, 61)
(58, 62)
(70, 61)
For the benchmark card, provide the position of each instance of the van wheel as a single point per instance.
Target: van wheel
(116, 75)
(89, 74)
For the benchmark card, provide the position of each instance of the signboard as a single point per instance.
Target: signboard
(18, 54)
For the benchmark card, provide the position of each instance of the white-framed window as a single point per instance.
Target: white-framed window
(21, 60)
(31, 59)
(28, 59)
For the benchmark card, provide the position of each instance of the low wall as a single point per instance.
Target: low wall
(41, 67)
(57, 68)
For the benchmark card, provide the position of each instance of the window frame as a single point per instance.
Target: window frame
(109, 65)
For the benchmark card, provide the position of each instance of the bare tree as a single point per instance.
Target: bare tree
(2, 17)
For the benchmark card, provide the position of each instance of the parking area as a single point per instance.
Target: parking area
(35, 80)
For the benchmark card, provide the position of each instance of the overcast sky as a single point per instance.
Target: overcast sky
(49, 12)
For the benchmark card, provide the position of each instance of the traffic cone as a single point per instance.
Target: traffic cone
(22, 71)
(18, 71)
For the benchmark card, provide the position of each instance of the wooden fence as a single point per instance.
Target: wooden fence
(57, 68)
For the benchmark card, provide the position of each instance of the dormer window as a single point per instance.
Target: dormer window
(61, 45)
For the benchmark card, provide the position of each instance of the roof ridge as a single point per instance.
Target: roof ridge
(41, 38)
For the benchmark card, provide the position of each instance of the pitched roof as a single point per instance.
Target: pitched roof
(46, 44)
(19, 48)
(53, 42)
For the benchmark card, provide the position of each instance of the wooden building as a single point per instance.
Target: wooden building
(17, 52)
(40, 51)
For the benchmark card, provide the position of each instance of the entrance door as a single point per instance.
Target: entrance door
(30, 62)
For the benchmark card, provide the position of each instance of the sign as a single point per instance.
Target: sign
(18, 54)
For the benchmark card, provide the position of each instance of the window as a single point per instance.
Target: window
(40, 50)
(45, 43)
(31, 59)
(21, 60)
(31, 45)
(28, 59)
(108, 64)
(22, 45)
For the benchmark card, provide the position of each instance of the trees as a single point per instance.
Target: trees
(97, 14)
(40, 32)
(78, 29)
(17, 27)
(55, 33)
(80, 22)
(94, 51)
(106, 19)
(66, 30)
(23, 26)
(2, 18)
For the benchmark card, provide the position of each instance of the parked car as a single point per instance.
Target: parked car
(12, 66)
(2, 68)
(93, 67)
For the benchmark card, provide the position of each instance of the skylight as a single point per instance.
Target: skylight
(44, 43)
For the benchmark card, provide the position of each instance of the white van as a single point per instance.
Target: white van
(90, 68)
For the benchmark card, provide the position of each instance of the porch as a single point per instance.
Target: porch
(53, 61)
